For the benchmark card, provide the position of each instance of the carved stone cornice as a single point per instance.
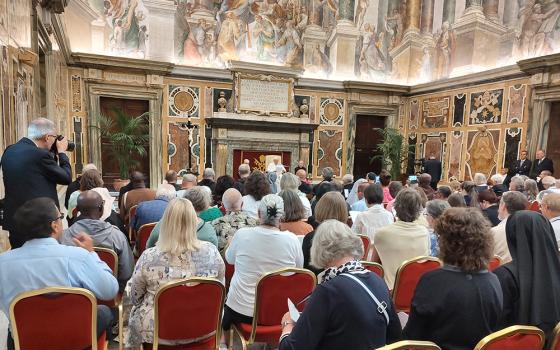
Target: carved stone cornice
(249, 67)
(89, 60)
(260, 123)
(540, 64)
(362, 86)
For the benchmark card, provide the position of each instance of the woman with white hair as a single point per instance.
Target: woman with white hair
(481, 182)
(291, 182)
(255, 251)
(364, 318)
(177, 254)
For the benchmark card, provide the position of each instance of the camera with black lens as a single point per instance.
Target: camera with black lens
(71, 145)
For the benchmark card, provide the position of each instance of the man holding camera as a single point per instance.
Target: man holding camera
(32, 168)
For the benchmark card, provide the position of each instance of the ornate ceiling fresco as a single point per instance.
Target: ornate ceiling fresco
(397, 41)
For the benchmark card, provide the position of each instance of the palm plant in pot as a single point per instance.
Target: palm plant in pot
(127, 137)
(393, 151)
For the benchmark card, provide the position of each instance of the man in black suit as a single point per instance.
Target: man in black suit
(542, 163)
(522, 166)
(433, 167)
(31, 171)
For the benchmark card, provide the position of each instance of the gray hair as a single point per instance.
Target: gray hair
(436, 207)
(334, 240)
(199, 197)
(347, 179)
(498, 179)
(271, 210)
(408, 205)
(189, 178)
(480, 179)
(548, 182)
(208, 173)
(39, 128)
(514, 201)
(327, 173)
(293, 208)
(289, 182)
(232, 200)
(89, 166)
(244, 169)
(518, 182)
(167, 191)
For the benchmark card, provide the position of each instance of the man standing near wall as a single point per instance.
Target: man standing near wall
(31, 171)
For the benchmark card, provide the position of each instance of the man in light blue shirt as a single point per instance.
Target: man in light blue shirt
(43, 262)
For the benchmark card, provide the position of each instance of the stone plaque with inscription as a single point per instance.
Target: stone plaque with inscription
(264, 94)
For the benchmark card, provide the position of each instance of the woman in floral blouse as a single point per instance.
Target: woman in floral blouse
(178, 254)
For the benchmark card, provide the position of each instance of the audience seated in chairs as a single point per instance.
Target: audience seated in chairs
(244, 171)
(457, 200)
(234, 219)
(200, 198)
(434, 209)
(223, 183)
(43, 262)
(375, 217)
(404, 239)
(103, 234)
(468, 189)
(330, 206)
(531, 190)
(364, 319)
(424, 181)
(293, 219)
(510, 203)
(481, 182)
(531, 281)
(360, 205)
(459, 304)
(489, 206)
(255, 251)
(75, 185)
(189, 181)
(394, 188)
(178, 254)
(152, 211)
(138, 193)
(92, 180)
(210, 212)
(291, 182)
(256, 187)
(171, 178)
(550, 207)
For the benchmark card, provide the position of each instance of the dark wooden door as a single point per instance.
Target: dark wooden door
(367, 139)
(132, 108)
(553, 146)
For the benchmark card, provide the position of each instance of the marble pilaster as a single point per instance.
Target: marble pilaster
(342, 43)
(427, 19)
(413, 14)
(160, 29)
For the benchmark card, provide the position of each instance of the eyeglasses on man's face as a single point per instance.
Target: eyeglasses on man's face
(59, 217)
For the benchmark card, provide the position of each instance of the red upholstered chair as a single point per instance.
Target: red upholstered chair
(75, 212)
(143, 235)
(534, 206)
(230, 269)
(271, 295)
(110, 257)
(131, 214)
(407, 278)
(55, 318)
(411, 345)
(374, 267)
(555, 345)
(494, 263)
(513, 338)
(366, 242)
(178, 317)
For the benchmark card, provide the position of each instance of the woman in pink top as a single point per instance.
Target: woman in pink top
(394, 188)
(385, 179)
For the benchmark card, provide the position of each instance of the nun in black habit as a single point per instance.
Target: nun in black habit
(531, 281)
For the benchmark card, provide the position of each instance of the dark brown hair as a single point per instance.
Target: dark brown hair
(456, 200)
(384, 178)
(90, 180)
(257, 185)
(465, 240)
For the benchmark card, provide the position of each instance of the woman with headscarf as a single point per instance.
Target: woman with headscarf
(531, 281)
(353, 196)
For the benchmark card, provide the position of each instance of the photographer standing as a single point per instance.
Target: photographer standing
(31, 170)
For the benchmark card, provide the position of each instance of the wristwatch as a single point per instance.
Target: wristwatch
(285, 323)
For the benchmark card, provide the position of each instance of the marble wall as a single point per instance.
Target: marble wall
(479, 128)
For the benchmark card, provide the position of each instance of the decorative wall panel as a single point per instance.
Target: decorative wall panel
(435, 112)
(183, 101)
(482, 152)
(76, 87)
(78, 140)
(331, 111)
(414, 114)
(329, 152)
(178, 152)
(455, 155)
(512, 142)
(459, 103)
(433, 145)
(486, 107)
(516, 103)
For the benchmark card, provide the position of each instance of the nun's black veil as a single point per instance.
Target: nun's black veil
(535, 267)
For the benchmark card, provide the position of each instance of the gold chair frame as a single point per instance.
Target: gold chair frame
(191, 280)
(366, 251)
(118, 301)
(411, 344)
(131, 231)
(245, 343)
(555, 337)
(61, 290)
(506, 332)
(371, 263)
(405, 264)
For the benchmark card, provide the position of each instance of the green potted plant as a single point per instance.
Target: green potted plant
(393, 151)
(127, 136)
